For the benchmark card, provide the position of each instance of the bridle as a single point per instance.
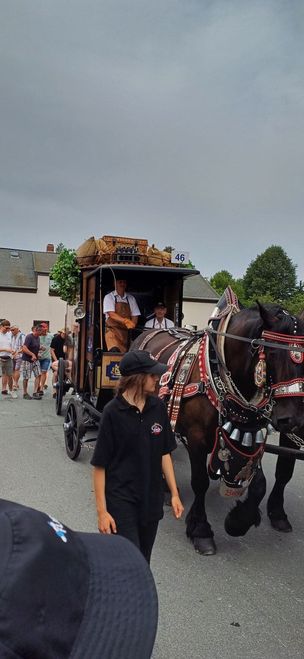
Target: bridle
(244, 423)
(294, 344)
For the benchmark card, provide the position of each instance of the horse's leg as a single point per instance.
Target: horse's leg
(198, 528)
(275, 504)
(246, 513)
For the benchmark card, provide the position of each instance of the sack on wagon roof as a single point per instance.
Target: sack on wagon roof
(158, 257)
(86, 252)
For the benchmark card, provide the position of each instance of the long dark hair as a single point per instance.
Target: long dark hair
(136, 382)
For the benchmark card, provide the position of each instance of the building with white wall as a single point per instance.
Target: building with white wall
(199, 300)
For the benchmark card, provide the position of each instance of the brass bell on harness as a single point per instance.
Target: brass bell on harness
(235, 435)
(227, 426)
(259, 438)
(247, 439)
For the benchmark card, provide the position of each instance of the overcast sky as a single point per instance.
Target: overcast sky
(179, 121)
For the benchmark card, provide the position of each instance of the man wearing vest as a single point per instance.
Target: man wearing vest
(121, 312)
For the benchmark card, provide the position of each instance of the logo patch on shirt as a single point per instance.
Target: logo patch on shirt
(156, 429)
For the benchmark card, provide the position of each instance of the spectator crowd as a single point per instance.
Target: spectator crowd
(30, 355)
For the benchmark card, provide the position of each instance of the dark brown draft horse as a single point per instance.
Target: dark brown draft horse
(283, 473)
(243, 388)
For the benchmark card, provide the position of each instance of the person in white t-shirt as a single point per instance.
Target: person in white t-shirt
(159, 320)
(121, 311)
(6, 358)
(17, 343)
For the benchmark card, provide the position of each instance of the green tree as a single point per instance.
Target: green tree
(60, 247)
(238, 287)
(295, 304)
(65, 276)
(221, 280)
(271, 277)
(189, 265)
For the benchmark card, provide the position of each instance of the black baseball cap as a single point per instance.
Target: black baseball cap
(160, 304)
(71, 594)
(141, 361)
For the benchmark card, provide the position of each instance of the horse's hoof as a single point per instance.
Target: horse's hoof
(283, 525)
(205, 546)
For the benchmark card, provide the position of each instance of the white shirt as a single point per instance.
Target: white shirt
(18, 341)
(166, 323)
(5, 342)
(111, 298)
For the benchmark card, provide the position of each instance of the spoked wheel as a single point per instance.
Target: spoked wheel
(60, 385)
(73, 430)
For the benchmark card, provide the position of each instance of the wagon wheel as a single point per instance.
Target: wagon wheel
(60, 385)
(73, 430)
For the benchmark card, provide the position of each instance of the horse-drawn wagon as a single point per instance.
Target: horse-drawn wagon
(150, 276)
(225, 385)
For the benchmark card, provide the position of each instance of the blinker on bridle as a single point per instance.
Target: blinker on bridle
(295, 346)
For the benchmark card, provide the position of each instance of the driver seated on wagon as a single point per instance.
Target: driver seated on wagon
(121, 312)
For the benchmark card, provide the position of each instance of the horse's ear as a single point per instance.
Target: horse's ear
(267, 316)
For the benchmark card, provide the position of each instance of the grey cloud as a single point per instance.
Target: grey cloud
(178, 121)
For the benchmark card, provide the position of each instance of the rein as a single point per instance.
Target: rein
(279, 338)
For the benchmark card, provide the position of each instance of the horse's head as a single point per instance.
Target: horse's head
(275, 371)
(284, 367)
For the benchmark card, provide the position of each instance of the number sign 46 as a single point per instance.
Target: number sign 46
(179, 256)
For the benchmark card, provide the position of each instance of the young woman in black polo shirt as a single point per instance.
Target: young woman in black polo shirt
(132, 453)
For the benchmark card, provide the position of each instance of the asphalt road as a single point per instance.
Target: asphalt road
(247, 601)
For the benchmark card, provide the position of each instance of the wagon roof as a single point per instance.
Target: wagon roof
(122, 268)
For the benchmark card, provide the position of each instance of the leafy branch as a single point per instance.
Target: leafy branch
(64, 276)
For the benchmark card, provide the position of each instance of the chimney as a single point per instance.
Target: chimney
(50, 247)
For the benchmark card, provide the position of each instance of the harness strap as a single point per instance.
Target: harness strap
(219, 358)
(185, 367)
(148, 338)
(261, 342)
(283, 338)
(169, 345)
